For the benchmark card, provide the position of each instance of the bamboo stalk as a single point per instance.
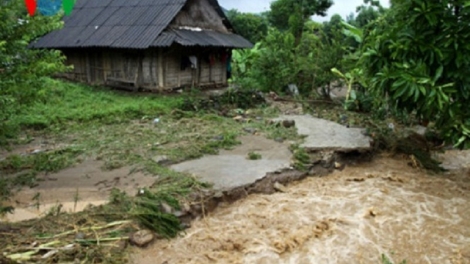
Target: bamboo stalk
(90, 229)
(27, 255)
(98, 240)
(97, 237)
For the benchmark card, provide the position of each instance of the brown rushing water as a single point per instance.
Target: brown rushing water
(352, 216)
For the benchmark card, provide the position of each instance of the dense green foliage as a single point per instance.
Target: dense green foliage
(251, 26)
(22, 69)
(293, 14)
(329, 53)
(417, 57)
(367, 13)
(273, 67)
(278, 60)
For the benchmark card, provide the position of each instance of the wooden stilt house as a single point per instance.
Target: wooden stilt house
(150, 44)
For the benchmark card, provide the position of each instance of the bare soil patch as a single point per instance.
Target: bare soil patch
(75, 188)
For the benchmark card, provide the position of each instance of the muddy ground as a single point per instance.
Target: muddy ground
(74, 189)
(351, 216)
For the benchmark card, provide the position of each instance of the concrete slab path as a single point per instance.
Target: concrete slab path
(231, 168)
(326, 135)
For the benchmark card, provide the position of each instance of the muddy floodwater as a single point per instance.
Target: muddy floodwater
(351, 216)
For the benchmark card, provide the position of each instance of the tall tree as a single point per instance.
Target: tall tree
(331, 27)
(368, 12)
(293, 14)
(251, 26)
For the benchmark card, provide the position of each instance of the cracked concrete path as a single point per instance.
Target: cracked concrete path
(326, 135)
(231, 168)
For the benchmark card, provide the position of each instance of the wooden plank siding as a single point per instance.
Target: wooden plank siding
(151, 69)
(212, 74)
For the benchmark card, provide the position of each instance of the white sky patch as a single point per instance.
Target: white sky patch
(341, 7)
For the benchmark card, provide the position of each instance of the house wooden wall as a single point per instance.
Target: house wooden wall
(206, 74)
(152, 69)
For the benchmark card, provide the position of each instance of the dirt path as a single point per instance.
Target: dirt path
(352, 216)
(74, 189)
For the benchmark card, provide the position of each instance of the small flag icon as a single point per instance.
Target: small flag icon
(31, 6)
(49, 7)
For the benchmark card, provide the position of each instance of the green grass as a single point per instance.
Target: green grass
(254, 156)
(301, 158)
(64, 103)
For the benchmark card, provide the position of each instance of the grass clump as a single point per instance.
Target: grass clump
(146, 208)
(148, 211)
(386, 260)
(171, 188)
(254, 156)
(301, 158)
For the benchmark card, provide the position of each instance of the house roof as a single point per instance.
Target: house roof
(136, 24)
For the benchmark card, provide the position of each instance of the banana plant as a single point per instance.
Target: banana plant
(242, 59)
(350, 78)
(352, 31)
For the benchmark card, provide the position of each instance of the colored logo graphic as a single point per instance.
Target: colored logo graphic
(49, 7)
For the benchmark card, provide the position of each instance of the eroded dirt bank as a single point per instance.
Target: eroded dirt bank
(351, 216)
